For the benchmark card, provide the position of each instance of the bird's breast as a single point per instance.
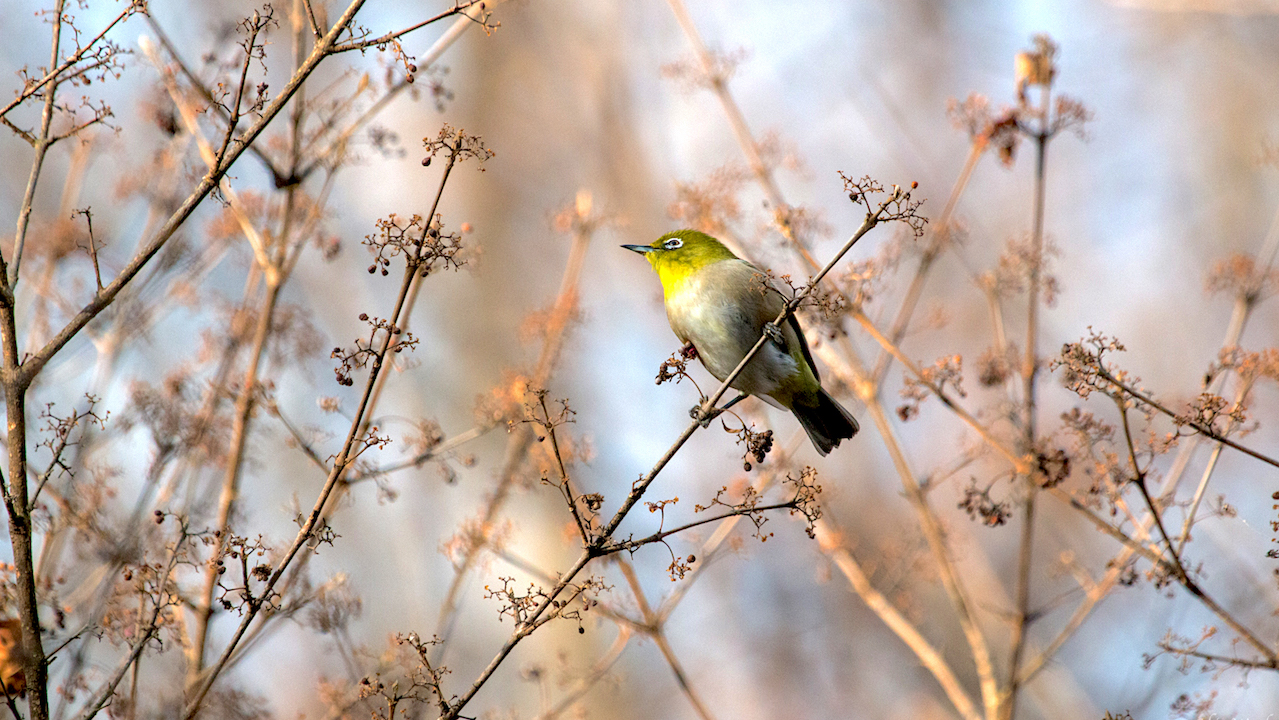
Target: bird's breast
(705, 315)
(722, 312)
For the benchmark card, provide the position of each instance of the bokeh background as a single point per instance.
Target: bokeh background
(571, 96)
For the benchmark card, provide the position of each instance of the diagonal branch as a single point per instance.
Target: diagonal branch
(59, 68)
(657, 632)
(636, 543)
(1200, 428)
(1245, 386)
(1245, 304)
(1158, 560)
(929, 656)
(521, 439)
(37, 360)
(940, 232)
(873, 218)
(597, 673)
(1030, 407)
(461, 7)
(42, 143)
(144, 634)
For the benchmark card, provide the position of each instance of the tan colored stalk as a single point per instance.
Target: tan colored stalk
(639, 487)
(653, 627)
(521, 439)
(1030, 412)
(929, 656)
(864, 383)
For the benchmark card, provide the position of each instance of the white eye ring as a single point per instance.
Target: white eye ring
(673, 243)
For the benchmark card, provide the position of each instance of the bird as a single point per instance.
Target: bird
(719, 306)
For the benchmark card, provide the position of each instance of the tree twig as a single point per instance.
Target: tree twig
(929, 656)
(1198, 427)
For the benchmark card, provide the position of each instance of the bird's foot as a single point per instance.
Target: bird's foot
(704, 418)
(774, 333)
(688, 351)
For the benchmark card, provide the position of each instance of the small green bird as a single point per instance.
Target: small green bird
(719, 304)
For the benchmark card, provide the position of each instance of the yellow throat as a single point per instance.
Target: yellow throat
(677, 256)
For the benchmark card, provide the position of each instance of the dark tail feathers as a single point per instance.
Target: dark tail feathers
(825, 421)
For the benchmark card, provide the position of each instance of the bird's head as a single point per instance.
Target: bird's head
(677, 255)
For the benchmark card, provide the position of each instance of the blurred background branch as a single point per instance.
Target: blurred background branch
(1014, 548)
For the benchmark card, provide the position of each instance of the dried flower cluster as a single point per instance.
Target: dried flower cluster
(147, 573)
(932, 380)
(535, 606)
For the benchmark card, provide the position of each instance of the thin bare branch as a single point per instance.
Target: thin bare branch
(145, 634)
(57, 74)
(592, 677)
(658, 634)
(521, 440)
(873, 218)
(829, 539)
(1198, 427)
(42, 143)
(636, 543)
(938, 236)
(1030, 407)
(460, 7)
(1157, 559)
(310, 16)
(37, 360)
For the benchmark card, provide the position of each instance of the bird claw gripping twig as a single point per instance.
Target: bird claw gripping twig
(705, 419)
(774, 333)
(696, 411)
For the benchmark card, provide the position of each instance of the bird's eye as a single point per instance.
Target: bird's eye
(673, 243)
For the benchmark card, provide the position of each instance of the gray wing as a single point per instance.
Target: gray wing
(794, 324)
(803, 345)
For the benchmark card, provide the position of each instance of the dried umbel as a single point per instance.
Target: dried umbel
(535, 606)
(933, 380)
(1035, 67)
(979, 504)
(383, 336)
(423, 246)
(457, 145)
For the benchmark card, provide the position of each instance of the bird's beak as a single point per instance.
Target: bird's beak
(640, 248)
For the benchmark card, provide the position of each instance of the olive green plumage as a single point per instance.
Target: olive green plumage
(720, 304)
